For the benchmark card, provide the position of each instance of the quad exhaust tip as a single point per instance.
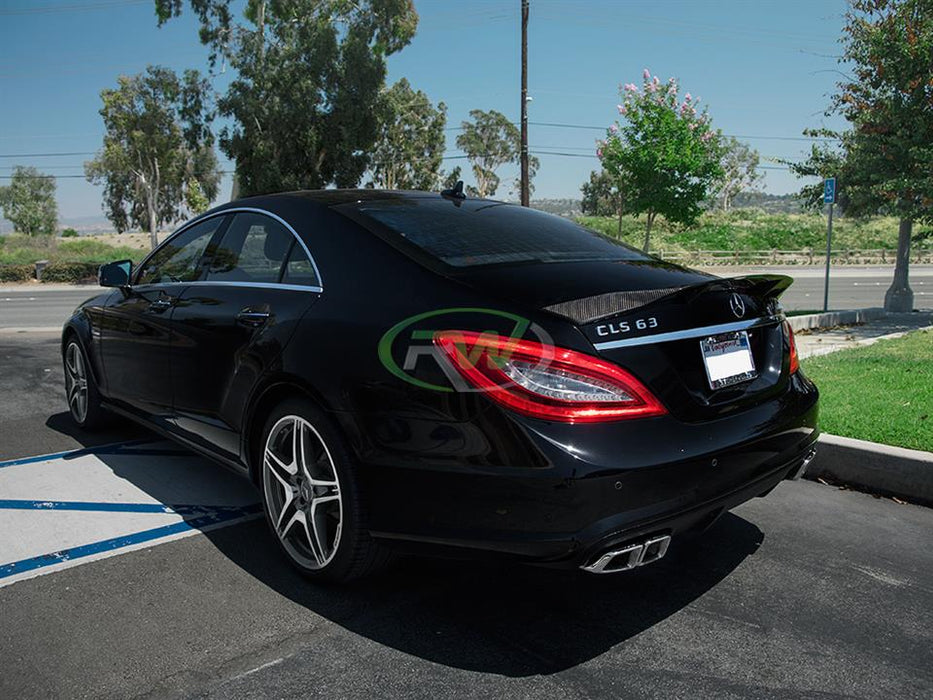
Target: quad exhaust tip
(630, 556)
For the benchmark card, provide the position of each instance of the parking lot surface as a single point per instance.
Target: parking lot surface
(812, 591)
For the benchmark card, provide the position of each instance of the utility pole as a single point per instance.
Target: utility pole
(525, 195)
(829, 197)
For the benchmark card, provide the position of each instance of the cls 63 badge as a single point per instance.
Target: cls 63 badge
(620, 327)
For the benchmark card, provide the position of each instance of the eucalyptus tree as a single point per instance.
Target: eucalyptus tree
(157, 163)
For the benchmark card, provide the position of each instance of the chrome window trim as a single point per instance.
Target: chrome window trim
(689, 333)
(319, 287)
(222, 283)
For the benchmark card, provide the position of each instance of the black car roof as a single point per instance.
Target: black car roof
(332, 198)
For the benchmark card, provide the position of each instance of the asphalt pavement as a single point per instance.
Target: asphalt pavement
(851, 287)
(811, 591)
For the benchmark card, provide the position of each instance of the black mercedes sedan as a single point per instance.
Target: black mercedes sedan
(438, 374)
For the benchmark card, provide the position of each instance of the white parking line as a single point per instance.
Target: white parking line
(63, 510)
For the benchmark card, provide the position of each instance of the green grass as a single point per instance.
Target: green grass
(882, 392)
(19, 250)
(750, 229)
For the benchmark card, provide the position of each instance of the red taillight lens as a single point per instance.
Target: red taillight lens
(794, 360)
(543, 381)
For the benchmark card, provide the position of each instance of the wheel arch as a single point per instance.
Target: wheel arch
(78, 327)
(266, 397)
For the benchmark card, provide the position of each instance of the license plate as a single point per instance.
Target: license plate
(728, 359)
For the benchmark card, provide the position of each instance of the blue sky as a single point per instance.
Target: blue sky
(765, 68)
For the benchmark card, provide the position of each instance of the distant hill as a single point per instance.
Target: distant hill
(771, 203)
(561, 207)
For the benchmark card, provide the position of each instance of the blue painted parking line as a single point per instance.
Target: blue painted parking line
(113, 496)
(22, 504)
(109, 448)
(221, 515)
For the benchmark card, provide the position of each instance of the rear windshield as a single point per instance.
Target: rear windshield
(473, 233)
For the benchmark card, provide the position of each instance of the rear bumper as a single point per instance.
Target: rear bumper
(601, 486)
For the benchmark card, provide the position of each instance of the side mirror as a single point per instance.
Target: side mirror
(115, 274)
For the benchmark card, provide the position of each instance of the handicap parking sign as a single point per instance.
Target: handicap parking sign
(829, 190)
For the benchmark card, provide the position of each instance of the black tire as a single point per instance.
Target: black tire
(81, 391)
(337, 548)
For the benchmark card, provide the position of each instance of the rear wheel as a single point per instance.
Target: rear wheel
(80, 388)
(311, 498)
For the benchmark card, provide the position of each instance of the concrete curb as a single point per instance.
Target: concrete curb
(835, 318)
(43, 287)
(882, 469)
(30, 329)
(847, 345)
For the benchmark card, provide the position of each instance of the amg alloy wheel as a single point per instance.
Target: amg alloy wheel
(80, 388)
(311, 498)
(302, 492)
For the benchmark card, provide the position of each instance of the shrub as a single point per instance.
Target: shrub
(70, 272)
(89, 250)
(69, 233)
(16, 273)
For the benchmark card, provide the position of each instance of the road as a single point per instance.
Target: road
(810, 591)
(851, 288)
(34, 306)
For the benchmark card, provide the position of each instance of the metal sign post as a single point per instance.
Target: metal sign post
(829, 197)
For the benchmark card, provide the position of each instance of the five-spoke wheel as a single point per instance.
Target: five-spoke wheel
(302, 491)
(80, 388)
(76, 381)
(311, 494)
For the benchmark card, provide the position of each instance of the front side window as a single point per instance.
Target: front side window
(254, 248)
(177, 260)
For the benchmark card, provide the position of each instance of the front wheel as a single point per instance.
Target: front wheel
(80, 388)
(310, 494)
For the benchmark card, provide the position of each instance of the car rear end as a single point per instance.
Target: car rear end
(651, 398)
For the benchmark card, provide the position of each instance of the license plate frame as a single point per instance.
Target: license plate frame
(728, 359)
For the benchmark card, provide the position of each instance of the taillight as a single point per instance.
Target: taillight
(794, 360)
(543, 381)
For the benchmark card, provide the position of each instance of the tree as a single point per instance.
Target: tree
(29, 202)
(889, 103)
(491, 141)
(408, 153)
(739, 171)
(666, 157)
(304, 102)
(158, 157)
(601, 196)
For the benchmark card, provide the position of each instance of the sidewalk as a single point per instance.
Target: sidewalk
(822, 341)
(879, 469)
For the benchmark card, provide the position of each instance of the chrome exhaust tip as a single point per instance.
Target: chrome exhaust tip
(802, 469)
(630, 556)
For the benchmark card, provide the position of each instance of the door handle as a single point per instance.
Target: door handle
(161, 304)
(254, 319)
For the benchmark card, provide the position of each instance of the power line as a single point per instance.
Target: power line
(590, 127)
(76, 7)
(46, 155)
(65, 177)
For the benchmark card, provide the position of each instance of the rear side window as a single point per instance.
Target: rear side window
(253, 249)
(177, 260)
(299, 270)
(472, 233)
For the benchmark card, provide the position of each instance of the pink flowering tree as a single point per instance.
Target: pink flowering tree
(663, 154)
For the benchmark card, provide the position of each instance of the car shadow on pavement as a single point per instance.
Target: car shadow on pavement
(506, 619)
(503, 618)
(117, 430)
